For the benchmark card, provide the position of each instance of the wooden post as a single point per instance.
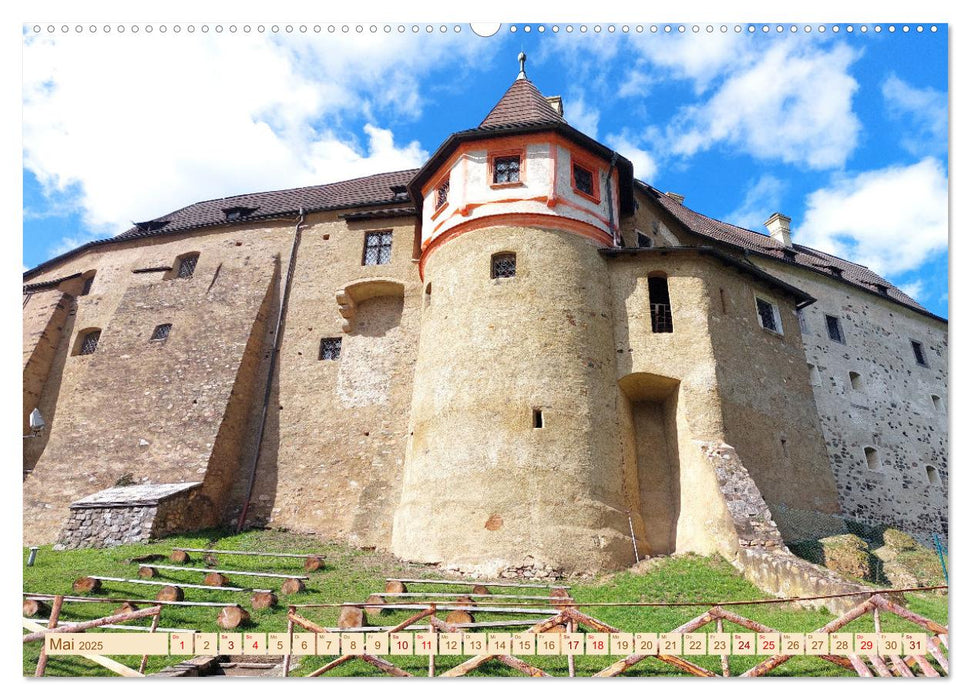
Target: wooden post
(431, 657)
(876, 620)
(155, 621)
(726, 671)
(570, 663)
(286, 657)
(51, 624)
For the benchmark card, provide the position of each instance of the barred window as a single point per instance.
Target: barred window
(505, 169)
(835, 329)
(582, 179)
(187, 265)
(768, 315)
(90, 342)
(377, 248)
(441, 195)
(161, 331)
(330, 349)
(660, 300)
(503, 265)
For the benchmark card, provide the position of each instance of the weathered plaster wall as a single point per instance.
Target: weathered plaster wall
(335, 438)
(45, 315)
(153, 411)
(892, 411)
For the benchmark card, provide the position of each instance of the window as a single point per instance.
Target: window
(187, 265)
(583, 180)
(89, 342)
(86, 289)
(441, 194)
(814, 377)
(657, 289)
(377, 248)
(938, 404)
(161, 331)
(932, 476)
(856, 381)
(835, 329)
(919, 353)
(644, 241)
(330, 349)
(505, 170)
(872, 461)
(503, 265)
(537, 417)
(768, 315)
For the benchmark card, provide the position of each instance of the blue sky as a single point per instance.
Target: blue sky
(845, 132)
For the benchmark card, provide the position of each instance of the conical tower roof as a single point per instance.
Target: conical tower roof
(523, 104)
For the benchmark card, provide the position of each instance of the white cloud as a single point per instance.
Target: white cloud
(131, 127)
(891, 220)
(761, 199)
(924, 109)
(915, 289)
(794, 104)
(645, 167)
(581, 115)
(699, 58)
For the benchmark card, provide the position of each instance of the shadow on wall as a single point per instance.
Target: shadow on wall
(653, 403)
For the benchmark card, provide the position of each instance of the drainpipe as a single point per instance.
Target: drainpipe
(269, 374)
(610, 202)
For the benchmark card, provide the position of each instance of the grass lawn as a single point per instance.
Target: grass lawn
(351, 575)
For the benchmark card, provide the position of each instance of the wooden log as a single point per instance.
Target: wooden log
(559, 596)
(231, 572)
(861, 668)
(153, 628)
(934, 648)
(286, 657)
(443, 582)
(924, 666)
(466, 666)
(906, 614)
(901, 668)
(180, 556)
(313, 564)
(146, 558)
(329, 665)
(291, 586)
(479, 589)
(87, 584)
(170, 593)
(35, 608)
(231, 617)
(250, 554)
(126, 607)
(465, 600)
(522, 666)
(147, 572)
(215, 579)
(375, 605)
(263, 600)
(726, 670)
(351, 617)
(456, 617)
(880, 667)
(395, 587)
(385, 666)
(144, 582)
(79, 599)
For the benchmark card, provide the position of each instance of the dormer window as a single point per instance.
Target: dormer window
(398, 191)
(441, 194)
(506, 169)
(237, 213)
(150, 226)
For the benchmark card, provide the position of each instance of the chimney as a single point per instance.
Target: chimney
(556, 103)
(679, 198)
(778, 225)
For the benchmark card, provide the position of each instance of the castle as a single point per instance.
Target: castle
(515, 357)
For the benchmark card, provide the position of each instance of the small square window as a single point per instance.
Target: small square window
(919, 353)
(90, 343)
(503, 265)
(377, 248)
(583, 179)
(768, 315)
(161, 331)
(835, 329)
(330, 349)
(187, 266)
(505, 170)
(441, 195)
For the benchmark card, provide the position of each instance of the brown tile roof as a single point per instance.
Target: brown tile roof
(752, 241)
(373, 190)
(522, 104)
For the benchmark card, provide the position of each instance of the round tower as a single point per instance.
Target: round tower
(516, 458)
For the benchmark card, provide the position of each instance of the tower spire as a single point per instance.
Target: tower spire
(522, 65)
